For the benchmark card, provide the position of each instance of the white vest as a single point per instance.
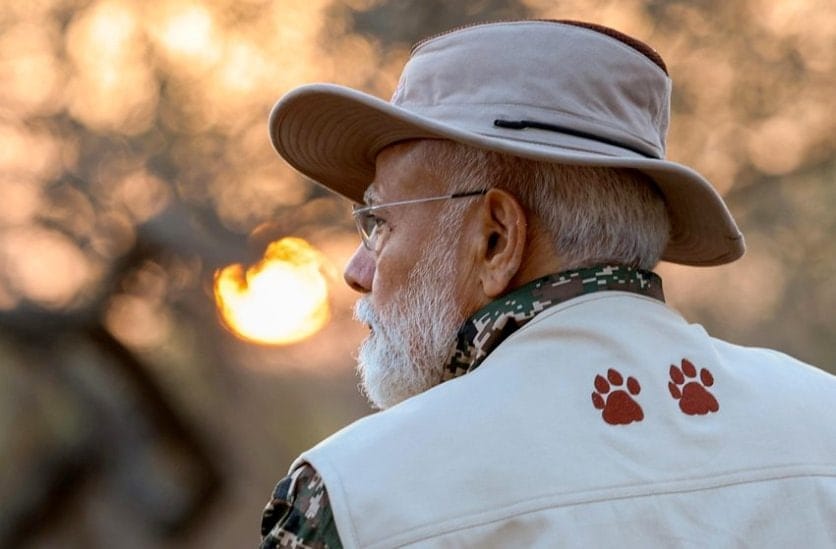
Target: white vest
(517, 454)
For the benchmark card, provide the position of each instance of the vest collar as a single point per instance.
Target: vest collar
(489, 327)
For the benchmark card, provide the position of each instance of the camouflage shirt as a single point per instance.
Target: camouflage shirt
(299, 515)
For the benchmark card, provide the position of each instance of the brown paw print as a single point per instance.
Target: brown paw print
(693, 397)
(619, 408)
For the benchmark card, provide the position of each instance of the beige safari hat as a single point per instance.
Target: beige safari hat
(565, 92)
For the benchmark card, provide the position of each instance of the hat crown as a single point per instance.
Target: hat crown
(553, 73)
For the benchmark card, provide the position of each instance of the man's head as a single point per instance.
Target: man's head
(423, 277)
(435, 263)
(551, 135)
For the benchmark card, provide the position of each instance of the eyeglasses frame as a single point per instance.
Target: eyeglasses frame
(365, 212)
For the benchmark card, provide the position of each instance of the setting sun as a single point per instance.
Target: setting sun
(280, 300)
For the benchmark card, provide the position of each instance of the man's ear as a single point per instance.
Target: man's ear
(503, 232)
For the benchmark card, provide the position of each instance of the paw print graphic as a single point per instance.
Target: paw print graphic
(693, 397)
(619, 408)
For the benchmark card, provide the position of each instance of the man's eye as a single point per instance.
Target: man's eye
(373, 224)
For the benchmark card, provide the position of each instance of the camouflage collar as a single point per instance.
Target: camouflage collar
(489, 327)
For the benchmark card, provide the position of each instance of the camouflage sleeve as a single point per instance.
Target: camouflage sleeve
(298, 515)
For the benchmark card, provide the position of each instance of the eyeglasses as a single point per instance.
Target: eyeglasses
(368, 223)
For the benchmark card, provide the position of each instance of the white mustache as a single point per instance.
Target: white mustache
(365, 313)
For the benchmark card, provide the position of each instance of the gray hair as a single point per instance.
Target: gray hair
(591, 215)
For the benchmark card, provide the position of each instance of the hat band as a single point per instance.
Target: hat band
(523, 124)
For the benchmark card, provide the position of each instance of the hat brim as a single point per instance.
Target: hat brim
(332, 134)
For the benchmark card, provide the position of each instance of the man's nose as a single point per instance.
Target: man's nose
(359, 272)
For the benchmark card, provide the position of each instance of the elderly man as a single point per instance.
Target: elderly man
(537, 390)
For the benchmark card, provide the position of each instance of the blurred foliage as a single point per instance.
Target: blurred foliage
(134, 162)
(402, 24)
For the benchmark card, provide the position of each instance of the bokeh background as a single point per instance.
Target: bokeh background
(134, 163)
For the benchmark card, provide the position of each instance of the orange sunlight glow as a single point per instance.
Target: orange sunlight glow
(282, 299)
(188, 31)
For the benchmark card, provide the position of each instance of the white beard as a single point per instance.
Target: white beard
(412, 337)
